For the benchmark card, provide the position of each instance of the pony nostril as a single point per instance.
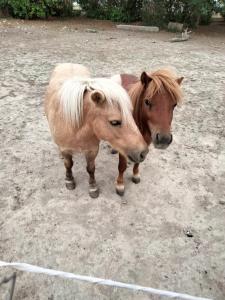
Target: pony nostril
(164, 139)
(138, 157)
(158, 138)
(143, 154)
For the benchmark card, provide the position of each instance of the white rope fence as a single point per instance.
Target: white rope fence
(35, 269)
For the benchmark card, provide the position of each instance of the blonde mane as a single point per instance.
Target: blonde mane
(71, 97)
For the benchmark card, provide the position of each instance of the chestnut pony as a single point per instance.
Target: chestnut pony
(81, 111)
(154, 97)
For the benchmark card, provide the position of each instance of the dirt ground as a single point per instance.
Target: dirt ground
(182, 188)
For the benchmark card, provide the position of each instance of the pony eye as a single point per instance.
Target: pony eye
(148, 103)
(174, 105)
(116, 123)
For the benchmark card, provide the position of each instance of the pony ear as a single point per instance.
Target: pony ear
(145, 79)
(98, 97)
(179, 80)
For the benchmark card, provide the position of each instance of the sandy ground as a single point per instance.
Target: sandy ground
(182, 188)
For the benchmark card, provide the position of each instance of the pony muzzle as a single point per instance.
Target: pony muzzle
(162, 140)
(138, 156)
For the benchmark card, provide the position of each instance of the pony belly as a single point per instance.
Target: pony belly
(74, 144)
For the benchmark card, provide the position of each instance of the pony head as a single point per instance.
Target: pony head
(157, 94)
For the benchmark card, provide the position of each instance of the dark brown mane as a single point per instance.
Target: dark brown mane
(161, 80)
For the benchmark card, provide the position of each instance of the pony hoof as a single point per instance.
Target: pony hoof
(136, 179)
(70, 185)
(113, 151)
(120, 190)
(94, 192)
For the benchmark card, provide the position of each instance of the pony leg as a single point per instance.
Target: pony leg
(68, 163)
(120, 182)
(136, 176)
(93, 187)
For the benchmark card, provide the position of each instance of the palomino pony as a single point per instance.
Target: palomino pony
(154, 98)
(81, 111)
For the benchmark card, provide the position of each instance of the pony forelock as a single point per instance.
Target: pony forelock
(167, 79)
(71, 97)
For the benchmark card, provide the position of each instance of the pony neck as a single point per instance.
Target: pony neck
(136, 93)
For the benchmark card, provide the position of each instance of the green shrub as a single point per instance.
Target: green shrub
(221, 7)
(188, 12)
(31, 9)
(116, 14)
(151, 12)
(3, 3)
(115, 10)
(154, 13)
